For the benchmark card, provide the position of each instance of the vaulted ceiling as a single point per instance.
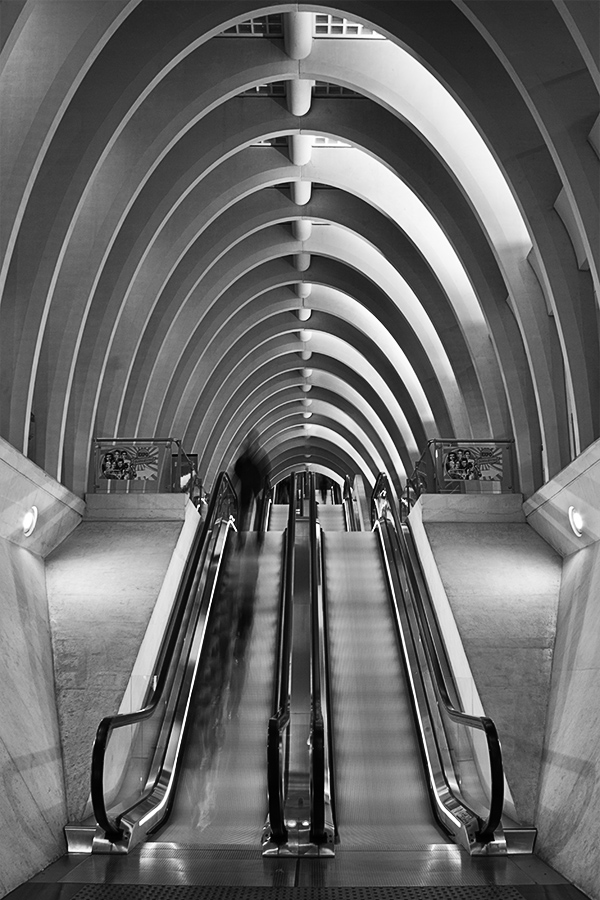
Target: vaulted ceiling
(354, 226)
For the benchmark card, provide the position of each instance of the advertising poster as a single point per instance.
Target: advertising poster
(131, 462)
(483, 462)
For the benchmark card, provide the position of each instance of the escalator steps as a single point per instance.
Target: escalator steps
(223, 892)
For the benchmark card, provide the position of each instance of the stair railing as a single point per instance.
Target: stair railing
(422, 651)
(278, 727)
(143, 754)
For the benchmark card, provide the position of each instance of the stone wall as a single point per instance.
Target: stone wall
(32, 796)
(569, 796)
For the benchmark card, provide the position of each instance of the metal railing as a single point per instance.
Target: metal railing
(128, 758)
(321, 781)
(142, 465)
(350, 517)
(436, 701)
(449, 466)
(278, 728)
(264, 507)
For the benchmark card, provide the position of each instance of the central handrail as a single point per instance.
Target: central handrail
(279, 721)
(317, 834)
(485, 833)
(349, 510)
(179, 623)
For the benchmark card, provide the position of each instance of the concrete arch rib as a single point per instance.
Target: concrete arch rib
(557, 113)
(334, 381)
(279, 243)
(294, 446)
(62, 40)
(275, 429)
(425, 102)
(280, 398)
(205, 336)
(183, 396)
(262, 344)
(409, 308)
(63, 420)
(178, 311)
(536, 330)
(278, 382)
(132, 228)
(259, 209)
(67, 210)
(95, 201)
(474, 72)
(284, 471)
(408, 304)
(289, 458)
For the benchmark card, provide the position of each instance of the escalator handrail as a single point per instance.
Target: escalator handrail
(266, 499)
(280, 719)
(486, 832)
(327, 694)
(165, 661)
(318, 834)
(350, 512)
(487, 829)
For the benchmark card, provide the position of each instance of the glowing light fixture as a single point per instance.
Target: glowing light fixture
(30, 520)
(307, 415)
(576, 521)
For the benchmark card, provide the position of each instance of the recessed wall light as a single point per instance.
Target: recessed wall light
(30, 521)
(576, 521)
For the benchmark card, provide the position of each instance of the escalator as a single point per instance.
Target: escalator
(188, 768)
(411, 768)
(221, 787)
(371, 751)
(326, 643)
(381, 795)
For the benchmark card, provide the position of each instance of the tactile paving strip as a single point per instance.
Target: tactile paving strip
(183, 892)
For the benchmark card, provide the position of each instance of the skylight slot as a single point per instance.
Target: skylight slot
(328, 26)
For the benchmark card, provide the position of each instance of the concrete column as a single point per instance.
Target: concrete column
(297, 34)
(301, 191)
(300, 149)
(299, 96)
(302, 229)
(302, 261)
(303, 289)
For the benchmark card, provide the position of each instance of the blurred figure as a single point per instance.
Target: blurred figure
(251, 469)
(324, 487)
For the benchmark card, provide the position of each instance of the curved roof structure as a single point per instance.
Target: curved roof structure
(353, 226)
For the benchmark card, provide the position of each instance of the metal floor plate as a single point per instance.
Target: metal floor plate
(180, 892)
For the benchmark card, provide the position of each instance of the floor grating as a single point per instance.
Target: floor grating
(186, 892)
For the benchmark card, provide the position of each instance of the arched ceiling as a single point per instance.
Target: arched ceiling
(185, 183)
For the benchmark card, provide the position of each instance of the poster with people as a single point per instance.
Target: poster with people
(483, 462)
(131, 462)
